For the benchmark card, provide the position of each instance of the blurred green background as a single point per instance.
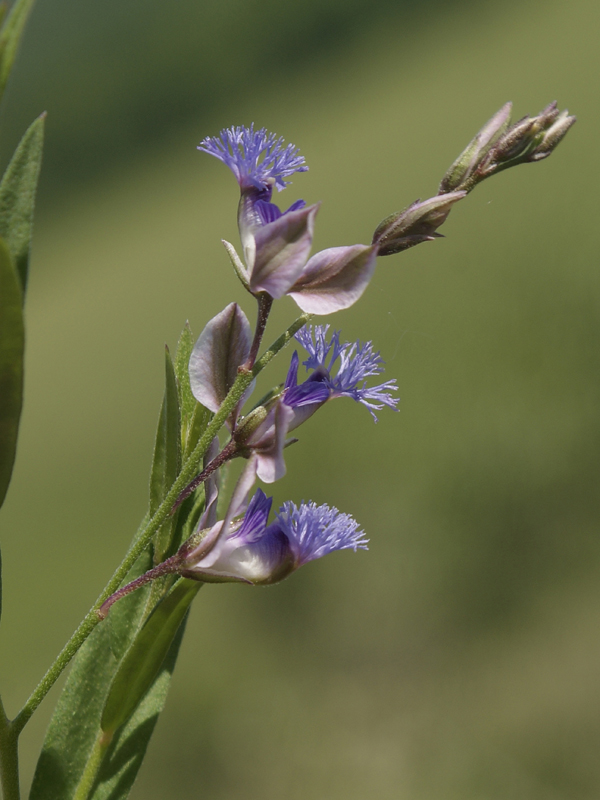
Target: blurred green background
(460, 657)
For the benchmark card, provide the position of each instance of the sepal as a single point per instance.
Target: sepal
(277, 252)
(222, 347)
(334, 279)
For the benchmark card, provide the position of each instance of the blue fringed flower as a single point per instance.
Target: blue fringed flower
(256, 158)
(354, 363)
(251, 551)
(314, 531)
(276, 243)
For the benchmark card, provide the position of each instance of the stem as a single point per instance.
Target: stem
(227, 453)
(265, 302)
(9, 757)
(92, 768)
(167, 567)
(91, 619)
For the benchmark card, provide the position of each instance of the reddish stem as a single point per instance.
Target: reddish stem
(265, 301)
(227, 453)
(167, 567)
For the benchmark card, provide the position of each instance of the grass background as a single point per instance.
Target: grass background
(460, 657)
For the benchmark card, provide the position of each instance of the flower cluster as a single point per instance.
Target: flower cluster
(277, 261)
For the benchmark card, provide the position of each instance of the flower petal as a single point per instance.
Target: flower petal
(334, 279)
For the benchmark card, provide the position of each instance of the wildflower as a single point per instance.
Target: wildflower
(276, 244)
(352, 364)
(247, 549)
(357, 362)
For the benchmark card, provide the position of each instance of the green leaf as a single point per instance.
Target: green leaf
(167, 455)
(10, 37)
(124, 757)
(17, 197)
(144, 658)
(12, 344)
(194, 416)
(75, 723)
(187, 400)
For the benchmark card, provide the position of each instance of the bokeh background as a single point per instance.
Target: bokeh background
(460, 657)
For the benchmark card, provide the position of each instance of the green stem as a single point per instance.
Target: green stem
(9, 758)
(92, 768)
(188, 471)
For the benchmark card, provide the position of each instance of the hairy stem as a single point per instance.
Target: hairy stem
(265, 302)
(227, 453)
(9, 758)
(190, 466)
(167, 567)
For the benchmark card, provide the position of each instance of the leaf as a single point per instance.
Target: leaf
(144, 658)
(167, 455)
(187, 401)
(17, 197)
(10, 37)
(125, 755)
(76, 720)
(12, 344)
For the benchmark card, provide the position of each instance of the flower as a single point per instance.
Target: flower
(276, 244)
(265, 435)
(258, 159)
(249, 550)
(357, 362)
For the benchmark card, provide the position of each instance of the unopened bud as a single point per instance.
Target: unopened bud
(555, 133)
(497, 147)
(471, 156)
(530, 139)
(416, 224)
(249, 424)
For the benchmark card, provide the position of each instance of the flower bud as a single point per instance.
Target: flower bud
(416, 224)
(530, 139)
(464, 165)
(497, 147)
(249, 424)
(551, 138)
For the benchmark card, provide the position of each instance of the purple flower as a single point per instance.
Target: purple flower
(357, 362)
(258, 159)
(247, 549)
(276, 244)
(352, 363)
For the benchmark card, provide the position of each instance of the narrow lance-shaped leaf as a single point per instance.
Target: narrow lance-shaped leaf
(10, 37)
(12, 343)
(17, 197)
(187, 401)
(167, 454)
(194, 416)
(126, 753)
(75, 722)
(143, 660)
